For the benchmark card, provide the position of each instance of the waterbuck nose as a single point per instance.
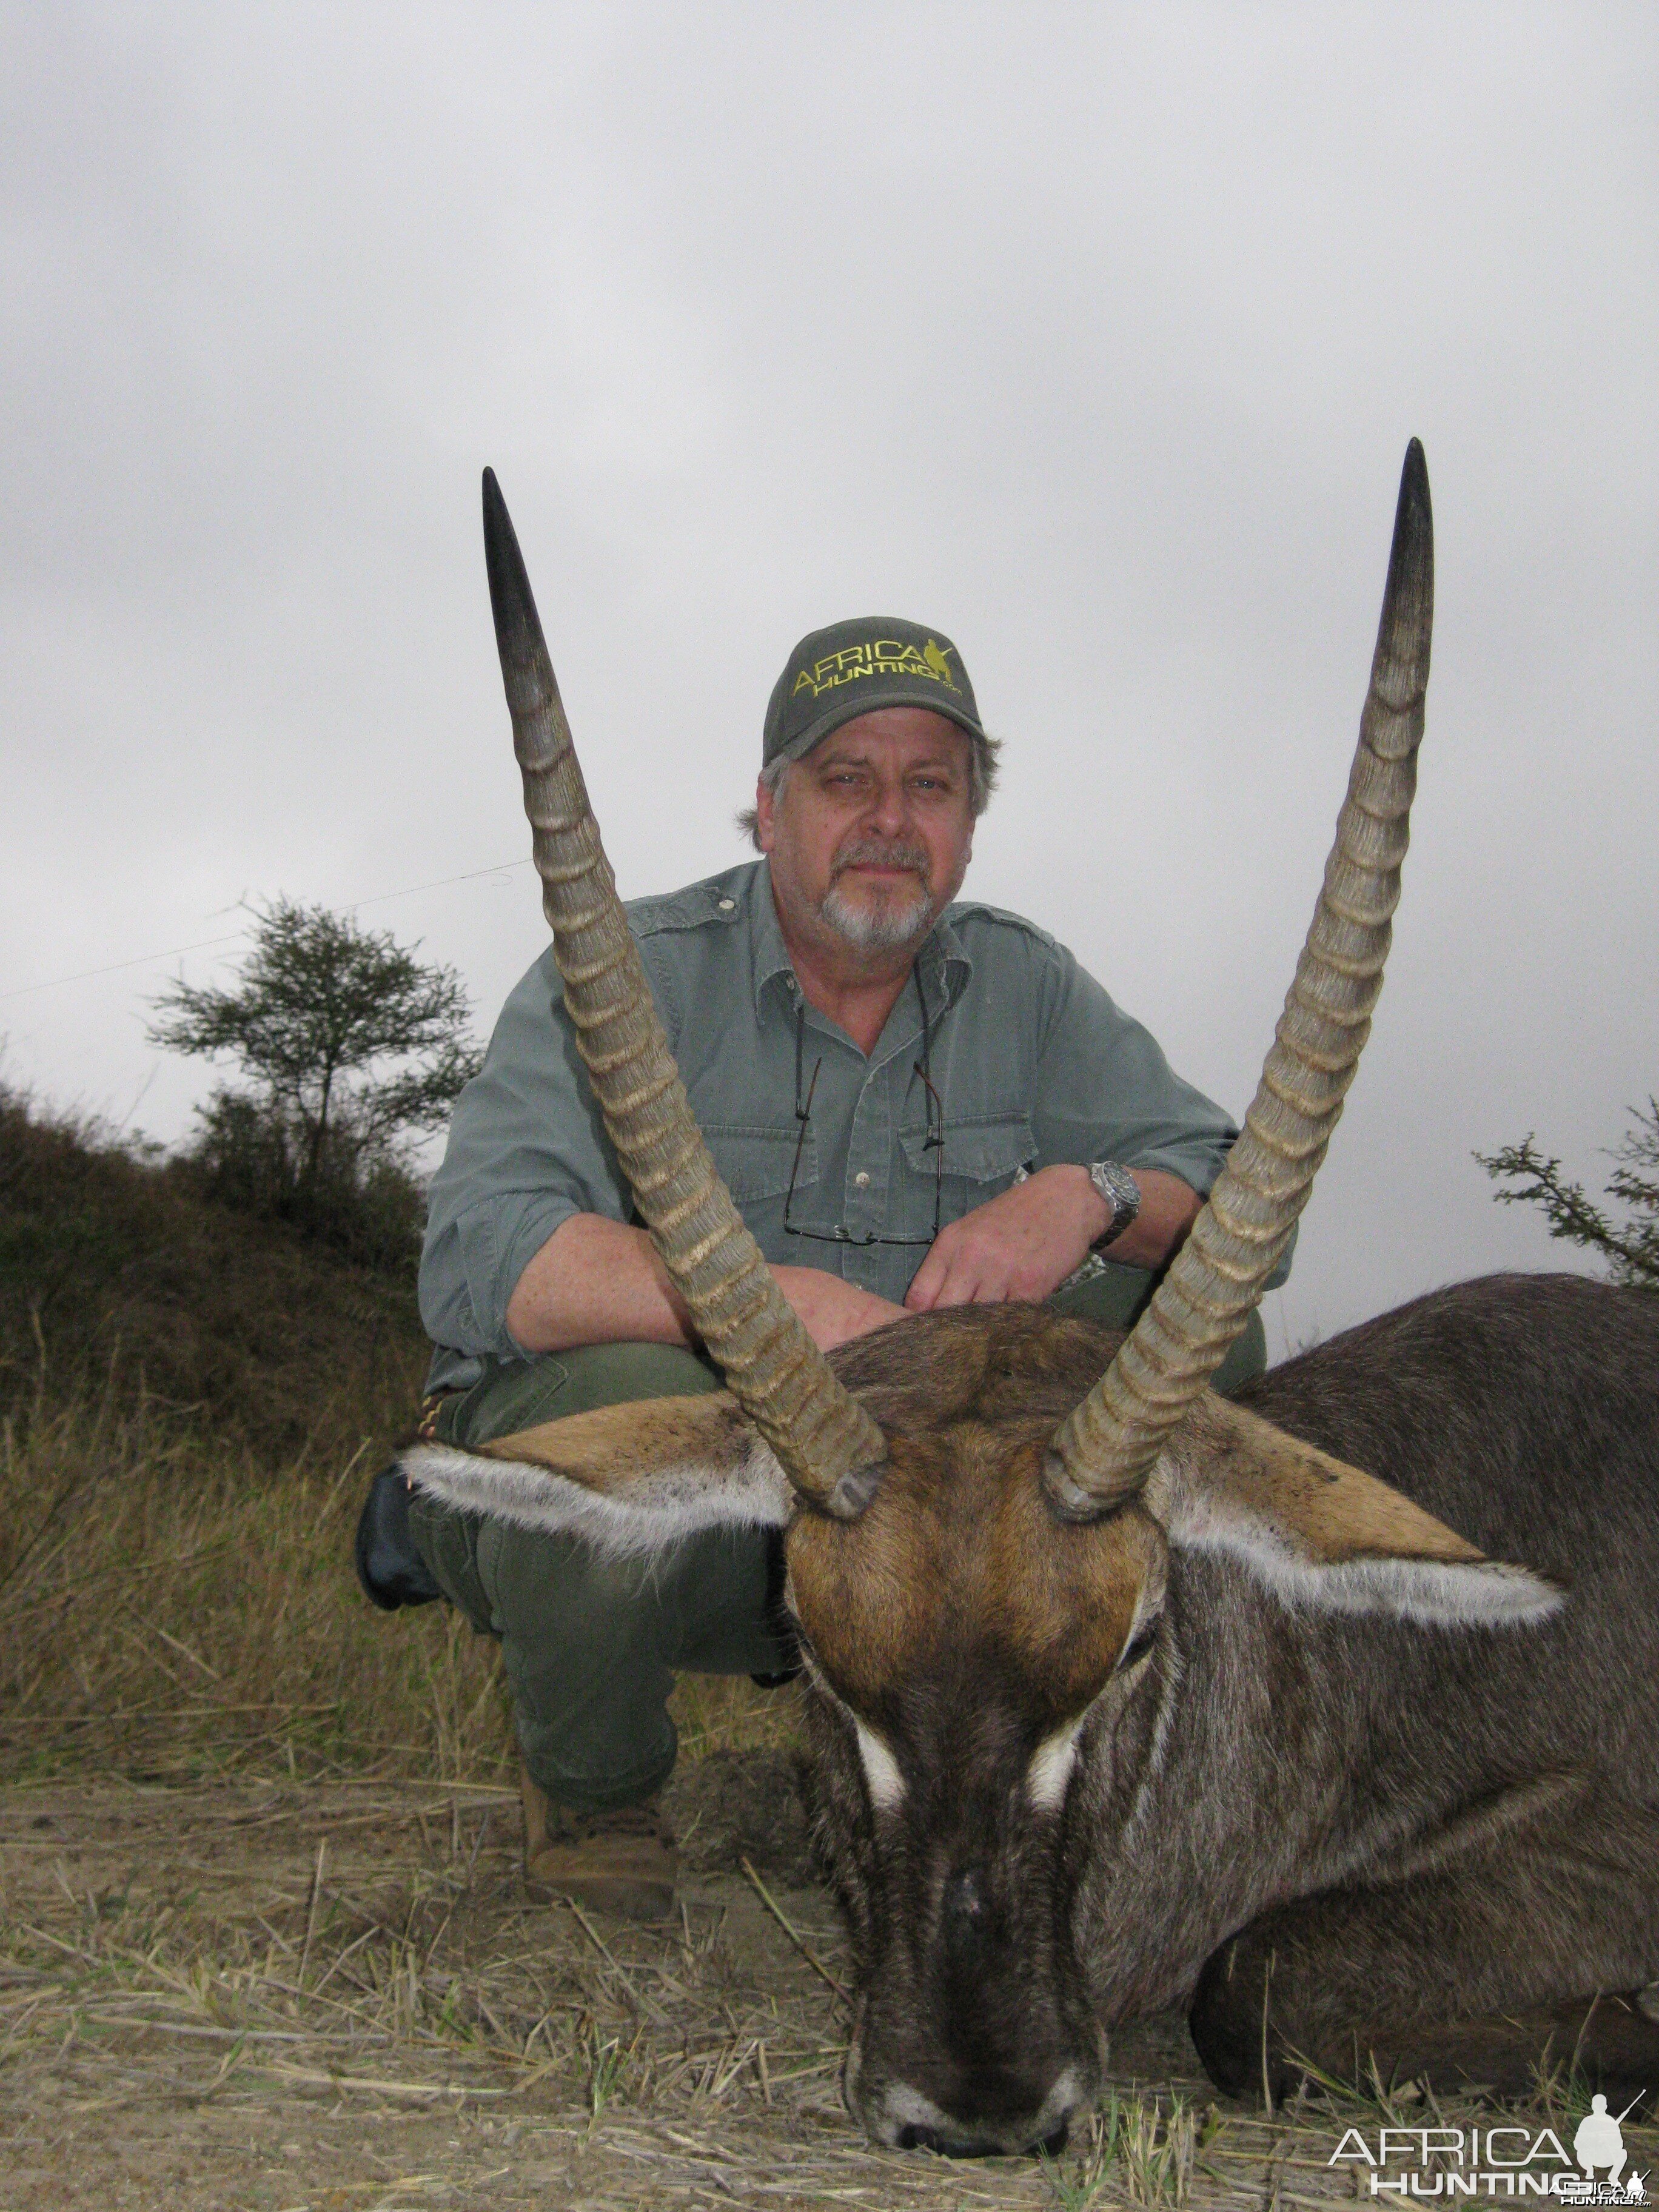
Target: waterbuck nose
(914, 2137)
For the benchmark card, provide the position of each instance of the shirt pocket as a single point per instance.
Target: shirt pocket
(757, 1160)
(985, 1152)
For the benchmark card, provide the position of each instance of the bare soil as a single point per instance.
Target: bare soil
(332, 1998)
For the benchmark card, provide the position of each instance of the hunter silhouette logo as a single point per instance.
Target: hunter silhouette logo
(880, 656)
(1600, 2142)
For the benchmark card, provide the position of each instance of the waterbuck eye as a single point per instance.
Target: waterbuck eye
(1137, 1646)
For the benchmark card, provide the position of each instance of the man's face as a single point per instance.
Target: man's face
(870, 835)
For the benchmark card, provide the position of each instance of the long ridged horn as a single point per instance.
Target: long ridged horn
(826, 1442)
(1104, 1451)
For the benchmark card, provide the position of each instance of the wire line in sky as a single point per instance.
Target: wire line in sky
(211, 944)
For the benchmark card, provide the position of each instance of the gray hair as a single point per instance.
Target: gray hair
(982, 783)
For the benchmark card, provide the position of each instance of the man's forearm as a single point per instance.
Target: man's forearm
(596, 1281)
(1169, 1208)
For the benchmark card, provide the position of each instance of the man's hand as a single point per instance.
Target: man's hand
(1022, 1245)
(833, 1312)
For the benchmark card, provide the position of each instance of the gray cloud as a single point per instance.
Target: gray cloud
(1094, 337)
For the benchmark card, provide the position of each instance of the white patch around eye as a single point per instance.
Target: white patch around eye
(644, 1514)
(1050, 1770)
(881, 1770)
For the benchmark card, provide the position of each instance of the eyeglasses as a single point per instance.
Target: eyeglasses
(933, 1142)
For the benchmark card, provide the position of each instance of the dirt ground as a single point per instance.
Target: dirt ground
(332, 1998)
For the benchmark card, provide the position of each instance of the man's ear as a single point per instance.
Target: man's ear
(1320, 1533)
(765, 807)
(629, 1479)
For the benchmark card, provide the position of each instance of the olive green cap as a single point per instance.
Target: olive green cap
(857, 667)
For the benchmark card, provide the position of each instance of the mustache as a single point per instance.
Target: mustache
(873, 853)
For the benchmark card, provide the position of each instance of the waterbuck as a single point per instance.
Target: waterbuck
(1121, 1694)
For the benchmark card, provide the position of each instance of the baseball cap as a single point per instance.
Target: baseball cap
(857, 667)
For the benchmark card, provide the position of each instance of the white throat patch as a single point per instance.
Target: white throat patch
(881, 1770)
(1050, 1770)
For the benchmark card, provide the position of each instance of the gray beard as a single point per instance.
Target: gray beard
(889, 925)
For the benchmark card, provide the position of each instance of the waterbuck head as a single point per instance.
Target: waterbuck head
(980, 1505)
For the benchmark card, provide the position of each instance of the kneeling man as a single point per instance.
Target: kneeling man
(915, 1101)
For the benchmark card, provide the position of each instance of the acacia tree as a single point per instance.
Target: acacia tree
(353, 1045)
(1632, 1249)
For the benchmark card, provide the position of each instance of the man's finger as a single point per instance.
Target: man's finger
(969, 1282)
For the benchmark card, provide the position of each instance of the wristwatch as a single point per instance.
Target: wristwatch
(1121, 1192)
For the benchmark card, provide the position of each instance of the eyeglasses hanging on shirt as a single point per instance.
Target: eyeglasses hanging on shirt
(935, 1141)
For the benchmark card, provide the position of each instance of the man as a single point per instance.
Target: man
(914, 1104)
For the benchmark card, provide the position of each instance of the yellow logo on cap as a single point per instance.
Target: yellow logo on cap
(882, 656)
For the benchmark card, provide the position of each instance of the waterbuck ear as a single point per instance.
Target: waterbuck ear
(631, 1478)
(1319, 1532)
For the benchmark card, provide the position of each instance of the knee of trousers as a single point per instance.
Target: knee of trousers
(562, 1594)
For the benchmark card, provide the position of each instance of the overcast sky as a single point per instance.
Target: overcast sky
(1091, 335)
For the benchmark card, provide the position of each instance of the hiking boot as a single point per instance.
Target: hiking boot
(622, 1862)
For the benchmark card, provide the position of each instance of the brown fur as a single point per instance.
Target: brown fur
(1335, 1511)
(609, 1449)
(958, 1549)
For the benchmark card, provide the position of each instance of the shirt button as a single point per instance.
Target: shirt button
(862, 1180)
(726, 905)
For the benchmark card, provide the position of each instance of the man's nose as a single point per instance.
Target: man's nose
(889, 810)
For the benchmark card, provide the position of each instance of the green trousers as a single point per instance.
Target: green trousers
(591, 1644)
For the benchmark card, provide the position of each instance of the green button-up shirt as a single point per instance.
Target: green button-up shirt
(1031, 1061)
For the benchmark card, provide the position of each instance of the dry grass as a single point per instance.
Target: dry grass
(173, 1608)
(192, 1403)
(331, 1995)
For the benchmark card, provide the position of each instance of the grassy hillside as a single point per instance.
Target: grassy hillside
(117, 1273)
(192, 1403)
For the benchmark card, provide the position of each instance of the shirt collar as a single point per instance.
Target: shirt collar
(946, 967)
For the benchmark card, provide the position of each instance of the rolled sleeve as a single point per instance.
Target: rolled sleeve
(526, 1149)
(471, 1269)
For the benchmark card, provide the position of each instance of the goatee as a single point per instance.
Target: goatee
(893, 921)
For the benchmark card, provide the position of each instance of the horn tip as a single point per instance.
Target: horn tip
(1414, 482)
(498, 523)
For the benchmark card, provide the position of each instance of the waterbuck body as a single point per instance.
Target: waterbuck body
(1269, 1740)
(1424, 1827)
(1331, 1710)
